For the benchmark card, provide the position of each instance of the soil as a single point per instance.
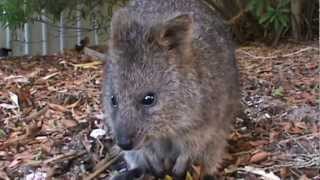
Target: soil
(51, 122)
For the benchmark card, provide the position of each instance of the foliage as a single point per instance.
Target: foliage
(250, 19)
(17, 12)
(2, 133)
(273, 15)
(278, 92)
(14, 12)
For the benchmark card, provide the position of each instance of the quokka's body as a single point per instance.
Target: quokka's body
(170, 86)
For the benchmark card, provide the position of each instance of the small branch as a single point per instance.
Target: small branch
(300, 161)
(57, 159)
(259, 171)
(94, 54)
(35, 115)
(63, 157)
(278, 56)
(105, 165)
(306, 136)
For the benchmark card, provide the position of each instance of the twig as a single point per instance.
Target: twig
(56, 159)
(242, 153)
(95, 54)
(64, 157)
(300, 161)
(3, 175)
(37, 114)
(31, 131)
(307, 136)
(278, 56)
(299, 144)
(300, 51)
(259, 171)
(105, 165)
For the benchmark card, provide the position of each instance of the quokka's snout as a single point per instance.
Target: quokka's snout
(124, 141)
(126, 135)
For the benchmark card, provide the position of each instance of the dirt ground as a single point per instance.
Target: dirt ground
(51, 122)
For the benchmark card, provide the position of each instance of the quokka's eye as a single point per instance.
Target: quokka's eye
(149, 99)
(114, 101)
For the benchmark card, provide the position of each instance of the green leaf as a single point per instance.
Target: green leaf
(260, 8)
(279, 92)
(257, 6)
(251, 4)
(283, 3)
(270, 9)
(2, 133)
(270, 21)
(283, 20)
(263, 19)
(276, 25)
(284, 11)
(38, 156)
(21, 11)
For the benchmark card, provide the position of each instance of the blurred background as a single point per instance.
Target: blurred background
(40, 27)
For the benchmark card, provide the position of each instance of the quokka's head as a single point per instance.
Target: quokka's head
(146, 95)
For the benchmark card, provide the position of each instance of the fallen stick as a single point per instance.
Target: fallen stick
(35, 115)
(31, 131)
(56, 159)
(278, 56)
(94, 54)
(261, 172)
(306, 136)
(105, 165)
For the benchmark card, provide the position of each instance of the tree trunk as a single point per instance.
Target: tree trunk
(296, 18)
(310, 14)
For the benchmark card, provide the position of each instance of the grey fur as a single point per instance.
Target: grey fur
(181, 51)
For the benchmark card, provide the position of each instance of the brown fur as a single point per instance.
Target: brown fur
(181, 52)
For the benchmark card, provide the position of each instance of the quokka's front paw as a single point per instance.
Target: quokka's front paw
(180, 167)
(132, 174)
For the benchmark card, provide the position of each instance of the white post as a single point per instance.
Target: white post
(78, 24)
(7, 30)
(44, 34)
(61, 33)
(8, 37)
(26, 39)
(96, 38)
(26, 35)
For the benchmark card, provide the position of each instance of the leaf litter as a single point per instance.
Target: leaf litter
(51, 120)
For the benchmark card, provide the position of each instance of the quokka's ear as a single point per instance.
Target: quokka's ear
(124, 27)
(175, 32)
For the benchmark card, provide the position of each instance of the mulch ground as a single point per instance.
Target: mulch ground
(51, 118)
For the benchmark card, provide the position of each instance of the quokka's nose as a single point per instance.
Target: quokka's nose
(125, 143)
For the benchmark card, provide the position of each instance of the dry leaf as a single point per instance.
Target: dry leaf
(259, 156)
(92, 65)
(304, 177)
(284, 172)
(259, 143)
(69, 123)
(14, 99)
